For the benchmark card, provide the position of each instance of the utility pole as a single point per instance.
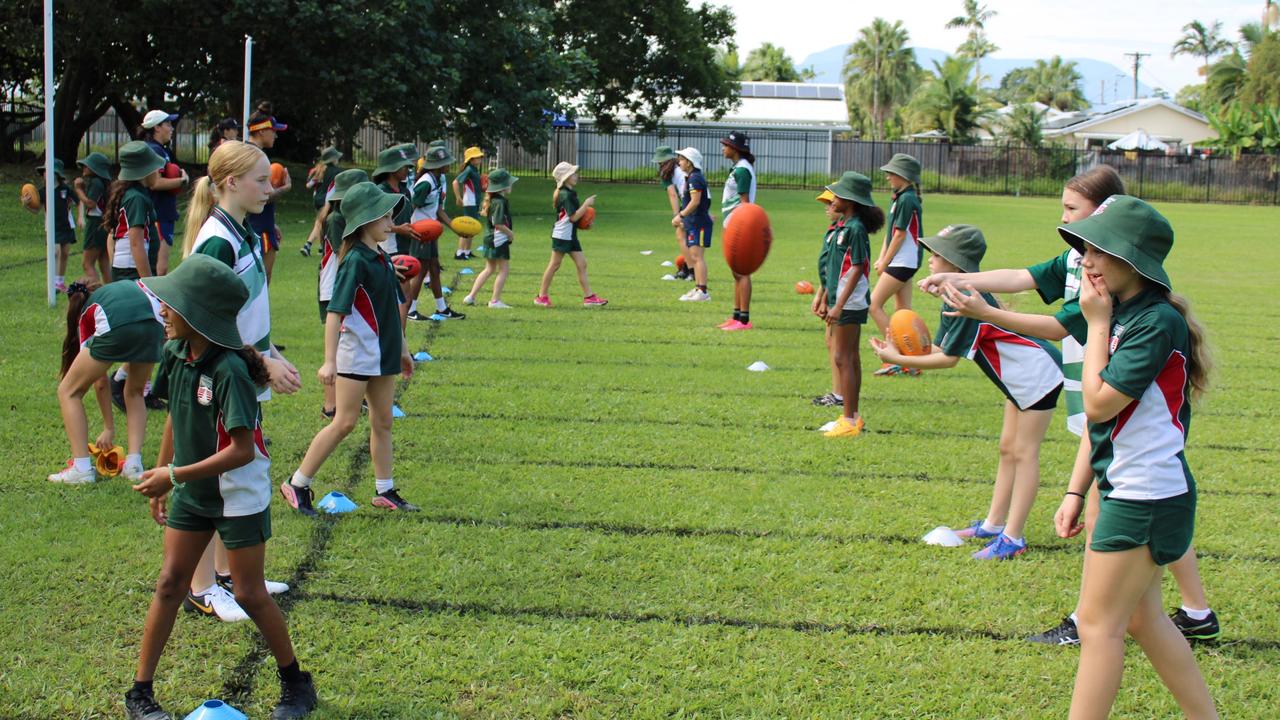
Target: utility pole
(1137, 63)
(1102, 92)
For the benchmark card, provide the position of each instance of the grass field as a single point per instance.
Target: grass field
(620, 521)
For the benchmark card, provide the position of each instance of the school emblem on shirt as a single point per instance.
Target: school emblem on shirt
(1115, 338)
(204, 391)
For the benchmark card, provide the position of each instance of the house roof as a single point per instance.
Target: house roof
(1075, 124)
(777, 104)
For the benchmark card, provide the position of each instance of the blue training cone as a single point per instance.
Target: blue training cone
(466, 271)
(422, 356)
(334, 503)
(396, 412)
(437, 317)
(216, 710)
(446, 290)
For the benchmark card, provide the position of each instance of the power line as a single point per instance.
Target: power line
(1137, 63)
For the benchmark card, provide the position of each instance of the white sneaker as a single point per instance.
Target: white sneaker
(217, 602)
(698, 296)
(276, 588)
(71, 476)
(499, 305)
(685, 297)
(132, 473)
(273, 587)
(468, 300)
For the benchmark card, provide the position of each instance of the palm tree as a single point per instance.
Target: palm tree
(1024, 126)
(976, 46)
(951, 101)
(880, 71)
(770, 63)
(1057, 83)
(1226, 78)
(1201, 41)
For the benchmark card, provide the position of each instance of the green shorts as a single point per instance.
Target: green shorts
(850, 317)
(498, 253)
(119, 273)
(95, 236)
(427, 250)
(1164, 526)
(324, 311)
(566, 246)
(139, 342)
(471, 211)
(65, 237)
(236, 532)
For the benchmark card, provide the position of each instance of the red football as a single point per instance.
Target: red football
(409, 264)
(172, 171)
(747, 239)
(429, 230)
(588, 217)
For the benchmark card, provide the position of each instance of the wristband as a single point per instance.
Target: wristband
(1079, 495)
(173, 478)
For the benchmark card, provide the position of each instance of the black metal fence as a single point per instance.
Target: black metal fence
(808, 158)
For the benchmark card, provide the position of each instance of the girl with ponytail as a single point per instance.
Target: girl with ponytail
(116, 323)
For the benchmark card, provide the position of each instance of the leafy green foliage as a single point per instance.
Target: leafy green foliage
(976, 44)
(1262, 82)
(1201, 41)
(770, 63)
(951, 101)
(1054, 82)
(880, 72)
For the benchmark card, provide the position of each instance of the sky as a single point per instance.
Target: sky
(1099, 29)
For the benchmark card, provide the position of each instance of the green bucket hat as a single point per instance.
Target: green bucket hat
(437, 143)
(663, 153)
(207, 293)
(394, 158)
(855, 187)
(138, 160)
(57, 169)
(1128, 228)
(364, 203)
(500, 180)
(345, 180)
(960, 245)
(437, 156)
(330, 154)
(98, 164)
(905, 166)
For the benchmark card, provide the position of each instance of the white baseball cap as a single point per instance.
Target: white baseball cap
(154, 117)
(693, 155)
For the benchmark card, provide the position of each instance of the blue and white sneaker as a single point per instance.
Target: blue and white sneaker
(1002, 548)
(975, 531)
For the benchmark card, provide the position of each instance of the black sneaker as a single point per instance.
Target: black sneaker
(415, 315)
(459, 255)
(828, 400)
(142, 705)
(297, 699)
(1064, 634)
(328, 412)
(1205, 631)
(450, 314)
(391, 500)
(299, 498)
(305, 250)
(152, 402)
(117, 391)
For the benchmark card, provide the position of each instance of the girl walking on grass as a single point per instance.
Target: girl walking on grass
(564, 236)
(497, 239)
(901, 254)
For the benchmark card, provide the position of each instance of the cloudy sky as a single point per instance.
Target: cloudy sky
(1099, 29)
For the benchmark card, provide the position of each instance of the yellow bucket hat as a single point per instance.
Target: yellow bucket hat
(471, 153)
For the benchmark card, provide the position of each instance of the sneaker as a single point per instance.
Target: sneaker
(594, 300)
(142, 705)
(542, 301)
(459, 255)
(696, 295)
(132, 473)
(117, 391)
(297, 699)
(727, 324)
(299, 498)
(152, 402)
(1206, 630)
(499, 305)
(845, 428)
(391, 500)
(738, 326)
(974, 530)
(468, 300)
(1064, 634)
(328, 412)
(305, 250)
(415, 315)
(273, 587)
(69, 475)
(449, 314)
(888, 369)
(828, 400)
(216, 603)
(1002, 548)
(912, 372)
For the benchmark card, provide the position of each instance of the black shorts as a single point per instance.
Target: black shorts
(1048, 402)
(357, 377)
(901, 274)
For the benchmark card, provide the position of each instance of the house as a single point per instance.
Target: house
(1162, 119)
(777, 106)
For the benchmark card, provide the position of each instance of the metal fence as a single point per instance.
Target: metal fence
(807, 158)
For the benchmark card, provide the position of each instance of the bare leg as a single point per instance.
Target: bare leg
(1032, 425)
(162, 258)
(902, 298)
(1006, 471)
(847, 342)
(202, 577)
(380, 392)
(82, 374)
(580, 260)
(64, 251)
(1186, 570)
(699, 266)
(1170, 654)
(837, 380)
(504, 267)
(348, 394)
(553, 266)
(251, 595)
(89, 262)
(742, 292)
(886, 287)
(181, 553)
(433, 275)
(489, 267)
(135, 406)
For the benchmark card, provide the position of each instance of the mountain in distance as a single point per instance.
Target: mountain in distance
(1096, 73)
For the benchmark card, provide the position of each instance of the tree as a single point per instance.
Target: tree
(1237, 129)
(976, 46)
(1024, 126)
(951, 101)
(1055, 83)
(1193, 97)
(1226, 78)
(1201, 41)
(727, 59)
(880, 71)
(1261, 86)
(770, 63)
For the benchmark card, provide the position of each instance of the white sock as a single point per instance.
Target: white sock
(413, 306)
(384, 485)
(146, 389)
(1074, 619)
(1016, 540)
(83, 464)
(440, 306)
(300, 480)
(988, 527)
(838, 396)
(59, 278)
(204, 591)
(133, 460)
(1196, 614)
(121, 374)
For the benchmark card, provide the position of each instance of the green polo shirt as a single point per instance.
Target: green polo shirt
(136, 210)
(95, 188)
(1059, 279)
(499, 214)
(826, 250)
(367, 295)
(208, 397)
(847, 245)
(222, 237)
(403, 216)
(1138, 454)
(471, 175)
(64, 229)
(326, 180)
(566, 205)
(907, 214)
